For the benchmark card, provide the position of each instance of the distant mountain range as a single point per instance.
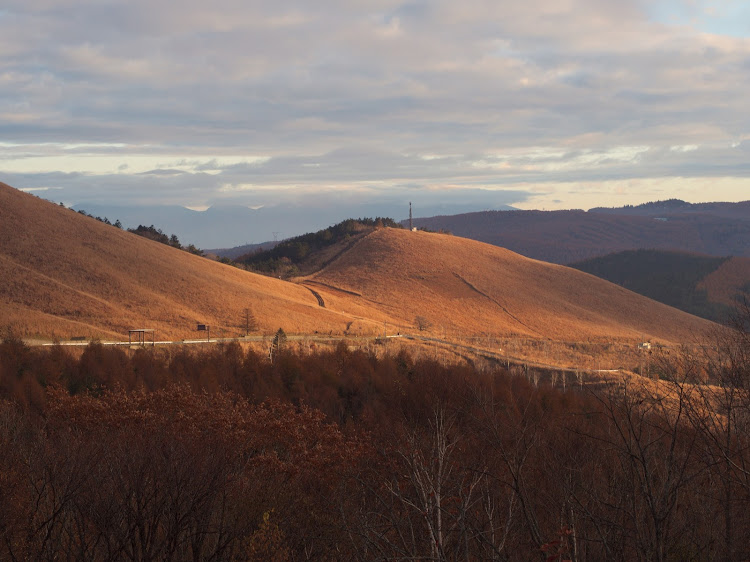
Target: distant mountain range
(717, 229)
(228, 226)
(740, 211)
(564, 237)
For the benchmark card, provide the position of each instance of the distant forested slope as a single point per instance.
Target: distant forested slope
(673, 278)
(564, 237)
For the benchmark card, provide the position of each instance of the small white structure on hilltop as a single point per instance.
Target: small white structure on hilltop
(644, 346)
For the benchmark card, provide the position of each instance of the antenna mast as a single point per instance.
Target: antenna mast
(410, 225)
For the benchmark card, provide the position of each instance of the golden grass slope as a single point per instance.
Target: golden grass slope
(470, 287)
(65, 275)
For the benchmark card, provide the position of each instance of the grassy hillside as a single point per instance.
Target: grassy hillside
(66, 275)
(310, 252)
(464, 286)
(673, 278)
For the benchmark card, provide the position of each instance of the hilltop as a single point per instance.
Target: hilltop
(460, 285)
(69, 275)
(673, 207)
(310, 252)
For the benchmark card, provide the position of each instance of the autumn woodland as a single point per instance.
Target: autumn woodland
(221, 453)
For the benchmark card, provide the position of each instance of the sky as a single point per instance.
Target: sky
(534, 104)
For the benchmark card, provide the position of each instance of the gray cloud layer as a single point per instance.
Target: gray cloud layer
(260, 102)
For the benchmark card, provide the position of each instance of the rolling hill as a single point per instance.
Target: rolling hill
(569, 236)
(68, 275)
(465, 286)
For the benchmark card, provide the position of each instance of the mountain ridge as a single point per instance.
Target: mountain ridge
(565, 237)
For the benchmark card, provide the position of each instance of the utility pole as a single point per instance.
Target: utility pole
(410, 223)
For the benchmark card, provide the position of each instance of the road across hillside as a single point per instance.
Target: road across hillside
(499, 357)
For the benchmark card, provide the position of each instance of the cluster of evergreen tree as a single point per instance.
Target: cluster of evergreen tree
(153, 233)
(150, 232)
(295, 250)
(105, 220)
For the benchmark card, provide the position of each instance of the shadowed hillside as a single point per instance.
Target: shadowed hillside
(729, 283)
(673, 278)
(570, 236)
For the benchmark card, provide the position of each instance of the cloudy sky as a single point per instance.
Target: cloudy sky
(533, 103)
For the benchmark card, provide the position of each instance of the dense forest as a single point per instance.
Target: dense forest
(220, 453)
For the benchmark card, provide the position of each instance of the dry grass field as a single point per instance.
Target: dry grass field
(66, 275)
(463, 288)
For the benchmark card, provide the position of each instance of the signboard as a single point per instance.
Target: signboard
(201, 327)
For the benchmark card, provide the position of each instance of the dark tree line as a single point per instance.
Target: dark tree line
(224, 454)
(153, 233)
(294, 251)
(105, 220)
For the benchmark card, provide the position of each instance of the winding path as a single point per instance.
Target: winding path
(321, 302)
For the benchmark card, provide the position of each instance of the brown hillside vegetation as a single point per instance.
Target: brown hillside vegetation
(69, 275)
(470, 287)
(66, 275)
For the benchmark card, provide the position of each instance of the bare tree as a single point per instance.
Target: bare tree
(249, 322)
(422, 323)
(720, 414)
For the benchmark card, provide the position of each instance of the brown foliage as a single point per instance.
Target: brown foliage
(343, 455)
(171, 475)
